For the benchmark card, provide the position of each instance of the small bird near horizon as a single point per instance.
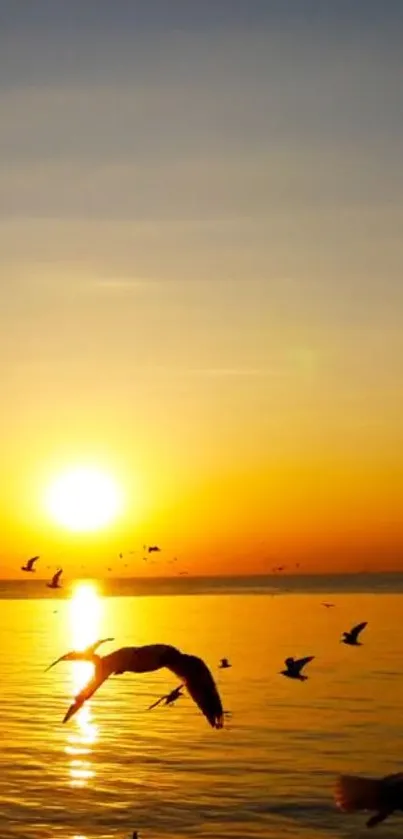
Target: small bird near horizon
(383, 795)
(224, 664)
(328, 605)
(351, 637)
(54, 583)
(169, 698)
(294, 667)
(192, 671)
(29, 565)
(88, 654)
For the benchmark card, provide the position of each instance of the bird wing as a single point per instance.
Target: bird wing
(76, 655)
(299, 663)
(354, 793)
(397, 778)
(158, 702)
(55, 578)
(31, 562)
(62, 658)
(175, 694)
(201, 687)
(97, 644)
(99, 677)
(355, 631)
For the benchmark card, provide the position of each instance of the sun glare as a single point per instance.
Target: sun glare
(84, 499)
(85, 619)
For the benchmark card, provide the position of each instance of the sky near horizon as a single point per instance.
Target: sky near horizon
(201, 277)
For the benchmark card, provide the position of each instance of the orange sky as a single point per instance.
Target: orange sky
(200, 275)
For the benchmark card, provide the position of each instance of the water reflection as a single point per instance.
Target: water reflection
(85, 612)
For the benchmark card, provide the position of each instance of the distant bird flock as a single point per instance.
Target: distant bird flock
(54, 583)
(381, 796)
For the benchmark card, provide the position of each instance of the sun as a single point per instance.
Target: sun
(84, 499)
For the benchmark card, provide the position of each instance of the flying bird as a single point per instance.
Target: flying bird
(382, 795)
(294, 667)
(189, 668)
(169, 698)
(29, 565)
(351, 638)
(328, 605)
(54, 583)
(224, 664)
(153, 549)
(81, 655)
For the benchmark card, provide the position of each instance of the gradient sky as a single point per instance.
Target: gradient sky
(201, 276)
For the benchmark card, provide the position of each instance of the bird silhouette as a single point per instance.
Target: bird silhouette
(294, 667)
(351, 638)
(88, 654)
(29, 565)
(383, 795)
(54, 583)
(224, 664)
(328, 605)
(189, 668)
(153, 549)
(169, 698)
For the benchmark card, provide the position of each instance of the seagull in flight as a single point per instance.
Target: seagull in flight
(190, 669)
(81, 655)
(328, 605)
(294, 667)
(54, 583)
(224, 664)
(169, 698)
(382, 795)
(351, 638)
(29, 566)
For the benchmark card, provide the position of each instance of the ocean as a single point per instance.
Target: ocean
(117, 767)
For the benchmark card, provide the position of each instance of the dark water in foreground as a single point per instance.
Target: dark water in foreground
(269, 773)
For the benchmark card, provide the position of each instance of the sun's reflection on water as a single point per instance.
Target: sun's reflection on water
(85, 612)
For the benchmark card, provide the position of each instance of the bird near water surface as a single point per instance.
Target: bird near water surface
(192, 670)
(169, 698)
(294, 667)
(54, 583)
(29, 565)
(351, 638)
(382, 795)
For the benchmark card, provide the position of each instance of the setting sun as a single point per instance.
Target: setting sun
(84, 499)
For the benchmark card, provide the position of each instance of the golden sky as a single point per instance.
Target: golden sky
(201, 279)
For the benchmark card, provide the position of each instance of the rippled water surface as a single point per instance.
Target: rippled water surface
(116, 767)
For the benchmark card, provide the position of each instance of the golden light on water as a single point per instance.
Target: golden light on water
(85, 615)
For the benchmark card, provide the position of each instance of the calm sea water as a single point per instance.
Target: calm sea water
(269, 773)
